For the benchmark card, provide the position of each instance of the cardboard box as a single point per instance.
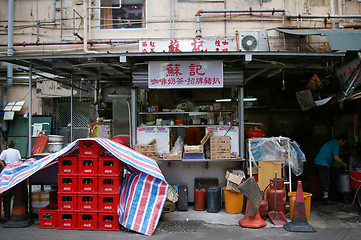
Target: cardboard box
(231, 131)
(177, 156)
(207, 136)
(160, 134)
(221, 155)
(233, 181)
(193, 148)
(218, 139)
(143, 148)
(41, 199)
(220, 147)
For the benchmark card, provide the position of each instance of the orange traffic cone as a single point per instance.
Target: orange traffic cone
(252, 222)
(299, 220)
(20, 217)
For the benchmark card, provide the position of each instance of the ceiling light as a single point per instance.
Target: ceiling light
(224, 100)
(249, 99)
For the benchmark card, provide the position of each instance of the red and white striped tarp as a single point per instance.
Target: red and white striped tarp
(143, 191)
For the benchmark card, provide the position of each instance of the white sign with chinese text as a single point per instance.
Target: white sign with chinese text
(190, 45)
(185, 74)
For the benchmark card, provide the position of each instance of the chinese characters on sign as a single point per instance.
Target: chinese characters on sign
(185, 74)
(192, 45)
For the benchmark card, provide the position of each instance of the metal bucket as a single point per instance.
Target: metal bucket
(343, 182)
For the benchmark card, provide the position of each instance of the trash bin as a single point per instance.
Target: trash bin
(233, 201)
(307, 200)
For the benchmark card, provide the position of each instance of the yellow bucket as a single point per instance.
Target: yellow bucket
(307, 200)
(233, 201)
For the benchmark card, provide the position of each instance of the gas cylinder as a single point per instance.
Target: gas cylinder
(280, 196)
(263, 209)
(200, 199)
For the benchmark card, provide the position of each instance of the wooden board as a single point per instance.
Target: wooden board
(266, 171)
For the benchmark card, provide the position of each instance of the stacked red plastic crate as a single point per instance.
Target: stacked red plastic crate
(89, 189)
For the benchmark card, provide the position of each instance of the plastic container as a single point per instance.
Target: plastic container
(200, 199)
(307, 200)
(355, 179)
(88, 184)
(67, 201)
(48, 216)
(110, 166)
(214, 199)
(108, 202)
(68, 165)
(88, 220)
(88, 166)
(67, 220)
(233, 201)
(88, 202)
(182, 203)
(254, 133)
(67, 184)
(109, 185)
(108, 221)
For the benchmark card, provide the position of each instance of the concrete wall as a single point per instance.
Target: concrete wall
(35, 21)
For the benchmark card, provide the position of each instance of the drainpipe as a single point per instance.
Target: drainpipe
(10, 51)
(30, 108)
(272, 11)
(85, 42)
(41, 22)
(332, 8)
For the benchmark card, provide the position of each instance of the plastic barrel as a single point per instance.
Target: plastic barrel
(214, 199)
(233, 201)
(307, 200)
(182, 204)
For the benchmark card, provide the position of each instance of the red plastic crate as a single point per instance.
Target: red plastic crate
(87, 184)
(48, 216)
(110, 166)
(67, 220)
(88, 202)
(68, 165)
(67, 201)
(108, 221)
(109, 185)
(67, 184)
(88, 166)
(87, 220)
(90, 148)
(108, 202)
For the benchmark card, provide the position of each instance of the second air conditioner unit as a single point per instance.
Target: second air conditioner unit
(253, 41)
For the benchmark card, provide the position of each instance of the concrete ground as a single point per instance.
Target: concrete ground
(340, 221)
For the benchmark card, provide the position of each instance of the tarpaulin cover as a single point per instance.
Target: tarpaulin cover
(143, 191)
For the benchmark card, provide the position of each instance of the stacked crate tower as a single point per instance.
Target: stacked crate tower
(89, 189)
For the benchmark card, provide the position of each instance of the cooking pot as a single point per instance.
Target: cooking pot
(55, 138)
(54, 147)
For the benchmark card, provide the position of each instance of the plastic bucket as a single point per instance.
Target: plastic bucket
(307, 200)
(233, 201)
(355, 179)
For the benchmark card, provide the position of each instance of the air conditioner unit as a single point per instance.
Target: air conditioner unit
(253, 41)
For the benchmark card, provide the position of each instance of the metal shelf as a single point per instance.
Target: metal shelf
(184, 126)
(180, 113)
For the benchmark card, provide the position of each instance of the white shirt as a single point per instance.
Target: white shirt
(10, 155)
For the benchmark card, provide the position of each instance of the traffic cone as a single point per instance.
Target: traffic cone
(20, 217)
(299, 220)
(252, 222)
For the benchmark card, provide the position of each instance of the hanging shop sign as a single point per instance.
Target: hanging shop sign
(185, 74)
(190, 45)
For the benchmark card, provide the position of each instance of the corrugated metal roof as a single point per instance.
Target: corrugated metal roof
(339, 39)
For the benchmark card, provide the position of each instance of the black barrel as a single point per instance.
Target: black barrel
(182, 204)
(214, 199)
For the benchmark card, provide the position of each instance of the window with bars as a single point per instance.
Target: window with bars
(131, 14)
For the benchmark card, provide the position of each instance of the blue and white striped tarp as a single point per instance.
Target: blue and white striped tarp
(143, 191)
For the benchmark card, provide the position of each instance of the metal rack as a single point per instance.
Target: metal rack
(287, 156)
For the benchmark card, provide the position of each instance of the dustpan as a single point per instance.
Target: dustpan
(276, 218)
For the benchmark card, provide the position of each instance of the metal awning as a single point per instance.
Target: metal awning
(339, 39)
(121, 69)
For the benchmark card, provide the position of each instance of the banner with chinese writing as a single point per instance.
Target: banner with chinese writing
(190, 45)
(185, 74)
